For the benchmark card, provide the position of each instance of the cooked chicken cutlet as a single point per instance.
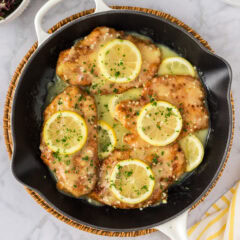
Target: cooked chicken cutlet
(184, 92)
(167, 163)
(79, 65)
(76, 174)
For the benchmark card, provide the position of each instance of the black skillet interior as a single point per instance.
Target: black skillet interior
(28, 108)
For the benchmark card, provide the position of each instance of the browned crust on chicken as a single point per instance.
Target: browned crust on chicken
(167, 163)
(79, 65)
(68, 71)
(76, 174)
(184, 92)
(127, 111)
(187, 94)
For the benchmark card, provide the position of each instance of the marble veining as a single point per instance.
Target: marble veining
(23, 219)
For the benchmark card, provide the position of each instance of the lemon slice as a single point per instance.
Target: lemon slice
(65, 132)
(119, 61)
(193, 151)
(131, 94)
(132, 181)
(159, 123)
(176, 66)
(107, 139)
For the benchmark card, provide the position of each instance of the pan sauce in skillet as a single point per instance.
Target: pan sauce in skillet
(104, 114)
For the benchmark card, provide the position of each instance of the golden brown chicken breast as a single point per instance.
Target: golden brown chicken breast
(184, 92)
(167, 163)
(79, 65)
(76, 174)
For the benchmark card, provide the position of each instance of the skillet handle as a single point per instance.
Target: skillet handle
(175, 229)
(43, 35)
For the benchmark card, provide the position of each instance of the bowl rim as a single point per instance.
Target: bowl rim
(17, 12)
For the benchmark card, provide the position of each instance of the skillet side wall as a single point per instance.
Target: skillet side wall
(27, 120)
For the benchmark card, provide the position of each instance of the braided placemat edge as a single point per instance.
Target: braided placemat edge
(7, 118)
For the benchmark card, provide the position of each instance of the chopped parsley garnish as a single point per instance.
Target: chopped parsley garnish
(60, 102)
(117, 74)
(155, 158)
(144, 187)
(128, 173)
(86, 158)
(68, 162)
(151, 177)
(115, 90)
(57, 156)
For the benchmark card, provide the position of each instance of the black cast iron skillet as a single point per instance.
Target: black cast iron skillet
(27, 119)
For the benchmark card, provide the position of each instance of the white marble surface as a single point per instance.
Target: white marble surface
(22, 218)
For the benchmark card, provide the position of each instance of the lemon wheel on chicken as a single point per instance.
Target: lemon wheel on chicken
(65, 132)
(132, 181)
(159, 123)
(119, 61)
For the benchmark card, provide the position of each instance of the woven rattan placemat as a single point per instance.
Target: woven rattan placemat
(7, 118)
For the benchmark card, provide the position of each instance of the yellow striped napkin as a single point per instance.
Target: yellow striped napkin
(222, 220)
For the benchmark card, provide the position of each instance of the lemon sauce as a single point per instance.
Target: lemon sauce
(103, 103)
(57, 86)
(104, 113)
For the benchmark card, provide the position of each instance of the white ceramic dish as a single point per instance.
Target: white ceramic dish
(17, 12)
